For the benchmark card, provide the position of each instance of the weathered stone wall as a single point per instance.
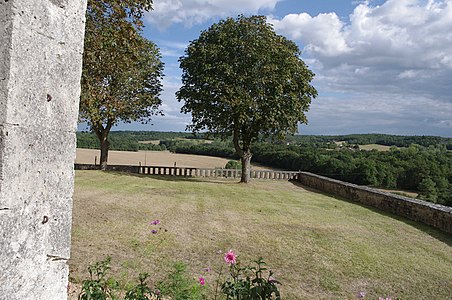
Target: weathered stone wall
(41, 44)
(435, 215)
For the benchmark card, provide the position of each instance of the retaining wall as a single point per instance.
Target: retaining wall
(435, 215)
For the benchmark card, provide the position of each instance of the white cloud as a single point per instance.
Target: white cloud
(321, 34)
(189, 12)
(170, 105)
(400, 47)
(382, 113)
(171, 48)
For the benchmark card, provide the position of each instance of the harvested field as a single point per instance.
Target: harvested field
(153, 142)
(153, 158)
(370, 147)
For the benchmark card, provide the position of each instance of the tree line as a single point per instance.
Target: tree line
(135, 140)
(375, 138)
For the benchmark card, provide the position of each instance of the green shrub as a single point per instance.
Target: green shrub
(98, 287)
(233, 164)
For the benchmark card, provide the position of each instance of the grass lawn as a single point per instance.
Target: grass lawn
(319, 247)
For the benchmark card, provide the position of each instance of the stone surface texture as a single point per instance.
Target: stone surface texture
(432, 214)
(41, 44)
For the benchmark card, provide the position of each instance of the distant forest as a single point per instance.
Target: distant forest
(131, 140)
(422, 164)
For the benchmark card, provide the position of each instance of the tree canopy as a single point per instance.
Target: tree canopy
(122, 71)
(241, 79)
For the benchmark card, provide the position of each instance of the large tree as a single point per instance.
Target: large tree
(122, 71)
(241, 79)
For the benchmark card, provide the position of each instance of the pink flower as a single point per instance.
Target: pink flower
(381, 298)
(361, 295)
(153, 231)
(230, 257)
(155, 222)
(202, 281)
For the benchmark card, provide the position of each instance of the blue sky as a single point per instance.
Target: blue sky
(381, 66)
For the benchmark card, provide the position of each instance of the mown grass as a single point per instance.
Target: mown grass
(319, 247)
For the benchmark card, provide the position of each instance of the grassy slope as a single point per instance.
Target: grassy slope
(318, 246)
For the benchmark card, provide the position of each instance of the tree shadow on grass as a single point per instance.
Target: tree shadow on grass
(432, 231)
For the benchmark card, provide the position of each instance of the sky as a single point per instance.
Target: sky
(381, 66)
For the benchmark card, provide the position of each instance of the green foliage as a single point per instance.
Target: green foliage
(254, 282)
(241, 79)
(141, 291)
(121, 69)
(121, 141)
(217, 148)
(98, 287)
(427, 190)
(87, 140)
(233, 164)
(374, 138)
(130, 140)
(251, 283)
(179, 286)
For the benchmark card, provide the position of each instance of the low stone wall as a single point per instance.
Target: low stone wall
(120, 168)
(435, 215)
(193, 172)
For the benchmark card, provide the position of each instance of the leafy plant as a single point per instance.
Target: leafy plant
(98, 287)
(179, 286)
(233, 164)
(251, 282)
(142, 291)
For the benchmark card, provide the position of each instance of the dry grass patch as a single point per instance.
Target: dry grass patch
(319, 247)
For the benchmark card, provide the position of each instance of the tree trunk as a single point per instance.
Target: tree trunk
(104, 146)
(244, 152)
(102, 135)
(246, 166)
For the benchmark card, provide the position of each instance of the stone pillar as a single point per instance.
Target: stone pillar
(41, 44)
